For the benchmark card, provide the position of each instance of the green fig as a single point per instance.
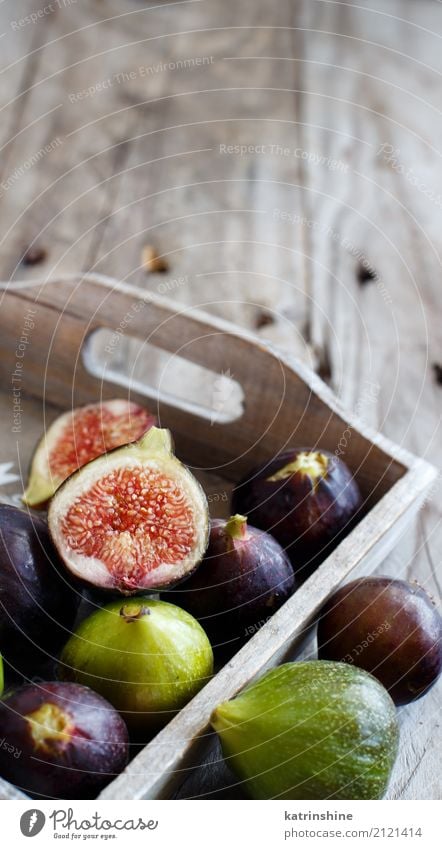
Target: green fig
(311, 730)
(147, 658)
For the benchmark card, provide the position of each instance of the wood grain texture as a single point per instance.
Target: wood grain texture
(270, 240)
(382, 333)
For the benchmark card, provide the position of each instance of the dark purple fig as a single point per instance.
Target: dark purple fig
(244, 577)
(37, 603)
(307, 500)
(63, 741)
(388, 627)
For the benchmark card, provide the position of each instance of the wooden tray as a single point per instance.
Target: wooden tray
(231, 402)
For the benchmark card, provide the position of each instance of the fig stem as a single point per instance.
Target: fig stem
(156, 440)
(49, 727)
(311, 463)
(236, 527)
(134, 612)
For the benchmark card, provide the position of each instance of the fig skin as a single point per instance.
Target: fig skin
(389, 627)
(100, 524)
(38, 604)
(311, 730)
(147, 657)
(243, 579)
(307, 499)
(67, 741)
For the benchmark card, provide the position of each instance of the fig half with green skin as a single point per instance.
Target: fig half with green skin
(307, 499)
(38, 604)
(62, 740)
(77, 437)
(133, 519)
(148, 658)
(389, 627)
(244, 577)
(311, 730)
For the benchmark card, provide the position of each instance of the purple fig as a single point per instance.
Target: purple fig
(62, 740)
(388, 627)
(38, 605)
(308, 500)
(244, 577)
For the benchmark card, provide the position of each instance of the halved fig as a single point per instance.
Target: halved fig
(133, 519)
(79, 436)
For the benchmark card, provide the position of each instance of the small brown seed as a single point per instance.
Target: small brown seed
(365, 273)
(34, 255)
(437, 368)
(152, 262)
(263, 319)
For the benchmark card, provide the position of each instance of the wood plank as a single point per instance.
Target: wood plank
(144, 158)
(382, 333)
(139, 161)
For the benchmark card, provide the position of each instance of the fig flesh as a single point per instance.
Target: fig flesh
(79, 436)
(63, 741)
(389, 627)
(133, 519)
(244, 577)
(311, 730)
(148, 658)
(38, 605)
(307, 499)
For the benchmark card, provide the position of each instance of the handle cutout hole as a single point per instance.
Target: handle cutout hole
(162, 376)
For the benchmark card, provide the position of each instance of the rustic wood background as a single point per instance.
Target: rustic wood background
(324, 237)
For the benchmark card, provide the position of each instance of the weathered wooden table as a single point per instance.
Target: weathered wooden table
(284, 158)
